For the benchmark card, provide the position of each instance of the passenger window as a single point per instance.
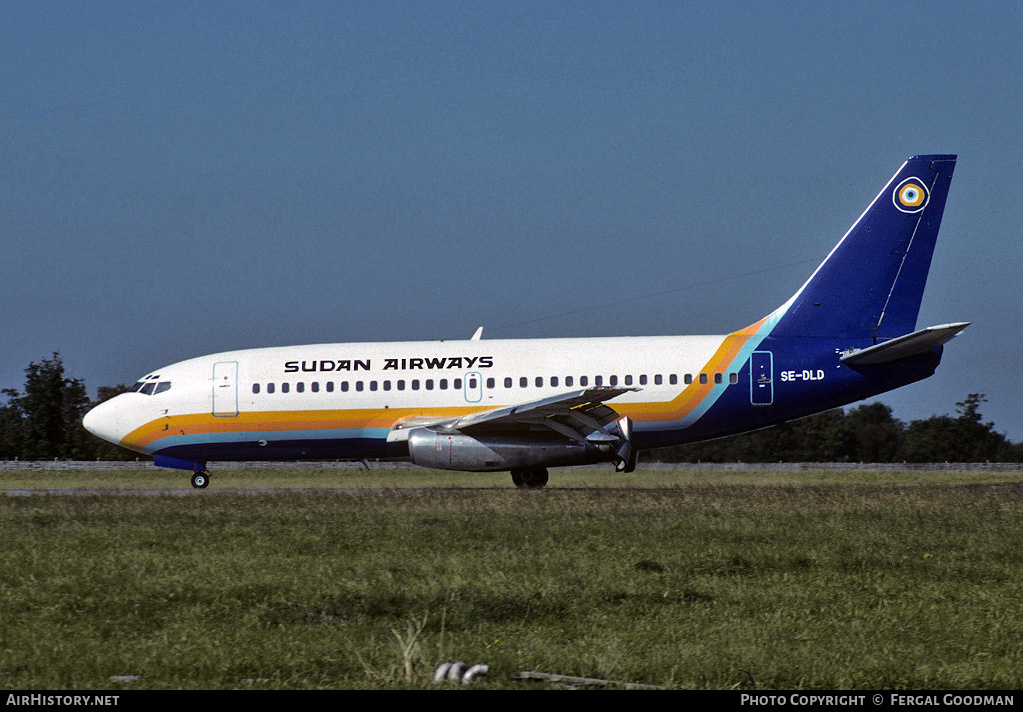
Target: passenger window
(415, 384)
(490, 383)
(358, 385)
(300, 387)
(255, 388)
(429, 384)
(344, 386)
(401, 385)
(372, 385)
(598, 380)
(717, 378)
(285, 387)
(330, 386)
(443, 384)
(270, 388)
(733, 378)
(387, 385)
(539, 381)
(642, 380)
(568, 381)
(689, 378)
(523, 382)
(613, 380)
(658, 380)
(628, 380)
(703, 379)
(507, 383)
(554, 381)
(457, 384)
(584, 380)
(315, 385)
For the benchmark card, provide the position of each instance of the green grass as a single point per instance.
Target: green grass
(149, 477)
(812, 581)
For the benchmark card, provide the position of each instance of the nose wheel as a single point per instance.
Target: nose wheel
(200, 480)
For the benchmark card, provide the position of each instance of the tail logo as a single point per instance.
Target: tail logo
(911, 196)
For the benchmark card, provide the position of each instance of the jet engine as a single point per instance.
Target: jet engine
(492, 452)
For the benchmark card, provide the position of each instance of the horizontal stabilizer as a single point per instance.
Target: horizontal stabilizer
(918, 342)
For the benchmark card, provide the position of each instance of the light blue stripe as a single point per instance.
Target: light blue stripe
(276, 436)
(751, 345)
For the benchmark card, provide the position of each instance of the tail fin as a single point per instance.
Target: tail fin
(871, 284)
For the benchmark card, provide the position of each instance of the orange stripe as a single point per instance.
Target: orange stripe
(203, 423)
(694, 393)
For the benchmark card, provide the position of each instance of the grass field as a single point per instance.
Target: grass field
(691, 580)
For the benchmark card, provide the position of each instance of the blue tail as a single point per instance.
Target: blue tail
(871, 284)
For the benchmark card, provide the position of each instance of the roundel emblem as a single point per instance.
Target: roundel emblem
(911, 196)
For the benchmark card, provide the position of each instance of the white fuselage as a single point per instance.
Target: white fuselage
(361, 391)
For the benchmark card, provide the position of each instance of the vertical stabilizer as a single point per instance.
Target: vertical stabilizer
(871, 284)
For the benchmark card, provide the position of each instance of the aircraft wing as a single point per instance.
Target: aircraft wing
(578, 415)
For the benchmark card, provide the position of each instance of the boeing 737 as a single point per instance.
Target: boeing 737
(524, 405)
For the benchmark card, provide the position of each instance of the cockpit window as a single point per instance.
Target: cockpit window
(150, 388)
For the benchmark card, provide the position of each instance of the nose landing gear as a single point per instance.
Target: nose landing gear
(200, 480)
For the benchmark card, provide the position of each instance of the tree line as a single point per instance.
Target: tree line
(866, 433)
(44, 422)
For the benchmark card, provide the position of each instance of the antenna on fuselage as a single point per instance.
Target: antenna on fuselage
(478, 335)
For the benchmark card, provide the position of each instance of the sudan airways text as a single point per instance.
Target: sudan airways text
(462, 363)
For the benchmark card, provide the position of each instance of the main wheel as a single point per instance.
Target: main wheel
(530, 477)
(200, 480)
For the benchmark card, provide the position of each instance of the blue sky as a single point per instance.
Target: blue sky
(184, 178)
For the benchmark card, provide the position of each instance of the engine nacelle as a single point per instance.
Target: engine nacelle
(458, 451)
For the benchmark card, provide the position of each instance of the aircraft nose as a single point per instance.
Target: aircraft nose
(107, 421)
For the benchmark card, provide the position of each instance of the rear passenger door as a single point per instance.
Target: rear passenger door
(761, 378)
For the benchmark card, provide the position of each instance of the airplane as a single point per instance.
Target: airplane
(526, 405)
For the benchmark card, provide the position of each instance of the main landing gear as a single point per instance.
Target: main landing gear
(200, 480)
(530, 477)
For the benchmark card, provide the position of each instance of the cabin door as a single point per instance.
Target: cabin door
(761, 381)
(473, 387)
(225, 388)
